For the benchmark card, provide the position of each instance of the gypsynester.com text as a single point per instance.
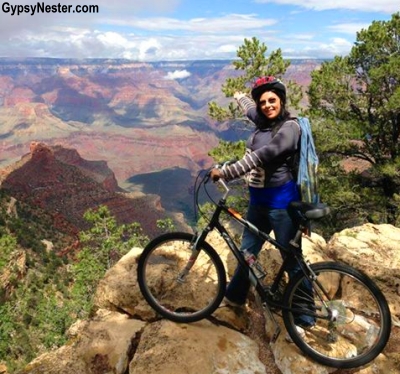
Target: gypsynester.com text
(41, 7)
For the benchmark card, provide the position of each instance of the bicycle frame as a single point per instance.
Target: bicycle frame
(215, 223)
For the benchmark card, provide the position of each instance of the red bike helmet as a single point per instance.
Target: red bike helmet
(268, 83)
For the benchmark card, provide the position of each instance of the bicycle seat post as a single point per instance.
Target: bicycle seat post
(296, 240)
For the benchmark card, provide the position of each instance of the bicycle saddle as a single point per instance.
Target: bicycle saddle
(311, 211)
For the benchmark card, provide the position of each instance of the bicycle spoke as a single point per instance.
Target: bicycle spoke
(171, 288)
(352, 319)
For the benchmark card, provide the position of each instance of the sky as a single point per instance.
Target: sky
(167, 30)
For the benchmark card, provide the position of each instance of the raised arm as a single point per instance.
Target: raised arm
(248, 106)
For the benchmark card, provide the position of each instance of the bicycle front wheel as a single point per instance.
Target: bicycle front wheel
(347, 318)
(180, 287)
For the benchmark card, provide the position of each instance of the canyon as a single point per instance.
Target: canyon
(147, 121)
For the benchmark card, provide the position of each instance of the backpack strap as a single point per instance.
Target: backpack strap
(277, 127)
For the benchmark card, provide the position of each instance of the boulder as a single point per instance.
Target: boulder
(103, 344)
(127, 336)
(169, 348)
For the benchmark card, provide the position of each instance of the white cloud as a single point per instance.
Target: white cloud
(13, 24)
(154, 38)
(348, 28)
(383, 6)
(113, 38)
(340, 43)
(335, 47)
(228, 48)
(301, 36)
(226, 24)
(131, 7)
(86, 43)
(148, 48)
(119, 31)
(177, 74)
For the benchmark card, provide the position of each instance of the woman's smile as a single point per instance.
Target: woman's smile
(270, 104)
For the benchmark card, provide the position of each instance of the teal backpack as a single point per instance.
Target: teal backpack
(304, 164)
(307, 173)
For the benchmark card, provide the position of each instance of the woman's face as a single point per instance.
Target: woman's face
(270, 104)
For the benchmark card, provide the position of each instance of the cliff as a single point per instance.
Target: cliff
(126, 336)
(62, 183)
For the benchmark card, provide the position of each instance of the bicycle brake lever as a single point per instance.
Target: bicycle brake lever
(230, 162)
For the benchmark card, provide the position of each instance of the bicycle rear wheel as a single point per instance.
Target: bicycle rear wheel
(180, 298)
(352, 317)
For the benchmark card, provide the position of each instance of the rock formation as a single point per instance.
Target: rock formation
(60, 181)
(126, 336)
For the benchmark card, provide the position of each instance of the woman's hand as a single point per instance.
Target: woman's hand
(238, 95)
(216, 174)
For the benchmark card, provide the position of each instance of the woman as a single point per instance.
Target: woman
(266, 165)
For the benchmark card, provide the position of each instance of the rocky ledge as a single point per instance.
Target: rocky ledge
(126, 337)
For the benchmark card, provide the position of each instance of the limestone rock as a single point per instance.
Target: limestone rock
(101, 345)
(374, 249)
(169, 348)
(119, 290)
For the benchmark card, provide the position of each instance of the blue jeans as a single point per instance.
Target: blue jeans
(284, 225)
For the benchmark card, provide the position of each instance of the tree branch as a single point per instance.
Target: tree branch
(360, 155)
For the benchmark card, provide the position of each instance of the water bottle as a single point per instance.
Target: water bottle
(251, 259)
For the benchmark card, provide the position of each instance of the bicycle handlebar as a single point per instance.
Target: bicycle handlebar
(226, 188)
(221, 181)
(219, 166)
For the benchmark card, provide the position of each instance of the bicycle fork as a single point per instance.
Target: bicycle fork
(192, 259)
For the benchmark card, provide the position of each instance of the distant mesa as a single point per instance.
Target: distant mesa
(61, 182)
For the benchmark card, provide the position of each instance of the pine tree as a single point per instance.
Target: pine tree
(355, 103)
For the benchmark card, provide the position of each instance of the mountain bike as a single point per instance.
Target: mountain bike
(182, 277)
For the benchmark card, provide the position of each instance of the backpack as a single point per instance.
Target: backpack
(304, 163)
(307, 173)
